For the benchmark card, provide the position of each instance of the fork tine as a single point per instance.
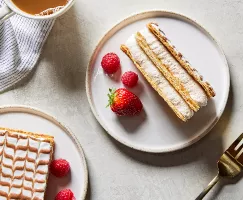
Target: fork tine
(239, 150)
(231, 150)
(240, 159)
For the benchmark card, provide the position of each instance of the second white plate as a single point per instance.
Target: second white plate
(157, 129)
(66, 147)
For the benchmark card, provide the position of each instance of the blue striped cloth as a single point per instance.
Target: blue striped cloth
(21, 42)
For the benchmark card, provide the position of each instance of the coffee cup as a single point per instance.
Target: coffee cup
(9, 9)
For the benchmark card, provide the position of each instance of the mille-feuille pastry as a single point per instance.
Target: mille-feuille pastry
(24, 164)
(156, 79)
(182, 81)
(154, 28)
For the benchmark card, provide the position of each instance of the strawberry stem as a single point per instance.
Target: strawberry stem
(111, 96)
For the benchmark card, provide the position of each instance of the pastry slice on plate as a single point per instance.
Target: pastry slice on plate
(184, 64)
(24, 164)
(167, 70)
(156, 79)
(186, 86)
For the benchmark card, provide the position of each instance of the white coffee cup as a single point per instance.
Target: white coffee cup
(10, 9)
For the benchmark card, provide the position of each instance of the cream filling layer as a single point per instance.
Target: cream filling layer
(167, 89)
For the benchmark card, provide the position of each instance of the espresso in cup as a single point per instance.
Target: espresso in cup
(40, 7)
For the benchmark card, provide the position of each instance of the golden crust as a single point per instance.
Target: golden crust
(126, 50)
(174, 81)
(46, 138)
(184, 63)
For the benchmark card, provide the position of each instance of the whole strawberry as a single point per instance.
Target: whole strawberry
(124, 103)
(65, 194)
(59, 168)
(110, 63)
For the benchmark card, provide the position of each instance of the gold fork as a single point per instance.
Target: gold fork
(230, 164)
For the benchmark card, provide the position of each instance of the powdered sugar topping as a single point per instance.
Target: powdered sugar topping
(194, 89)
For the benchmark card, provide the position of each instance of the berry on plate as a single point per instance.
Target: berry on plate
(124, 103)
(110, 63)
(65, 194)
(129, 79)
(59, 168)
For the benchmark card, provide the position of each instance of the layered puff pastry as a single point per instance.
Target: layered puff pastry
(168, 72)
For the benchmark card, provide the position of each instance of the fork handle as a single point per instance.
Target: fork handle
(208, 188)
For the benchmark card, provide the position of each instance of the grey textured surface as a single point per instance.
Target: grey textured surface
(117, 172)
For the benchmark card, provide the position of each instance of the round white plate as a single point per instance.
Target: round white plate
(158, 129)
(66, 146)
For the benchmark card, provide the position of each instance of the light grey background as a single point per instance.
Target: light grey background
(117, 172)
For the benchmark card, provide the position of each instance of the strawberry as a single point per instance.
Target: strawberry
(110, 63)
(124, 103)
(65, 194)
(60, 167)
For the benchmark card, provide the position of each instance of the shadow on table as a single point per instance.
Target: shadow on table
(67, 49)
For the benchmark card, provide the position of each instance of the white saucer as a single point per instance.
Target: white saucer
(66, 146)
(157, 129)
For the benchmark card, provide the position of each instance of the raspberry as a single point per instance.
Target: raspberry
(110, 63)
(129, 79)
(60, 167)
(65, 194)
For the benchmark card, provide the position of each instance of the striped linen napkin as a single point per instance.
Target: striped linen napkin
(21, 42)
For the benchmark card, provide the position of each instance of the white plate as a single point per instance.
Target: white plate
(66, 146)
(158, 129)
